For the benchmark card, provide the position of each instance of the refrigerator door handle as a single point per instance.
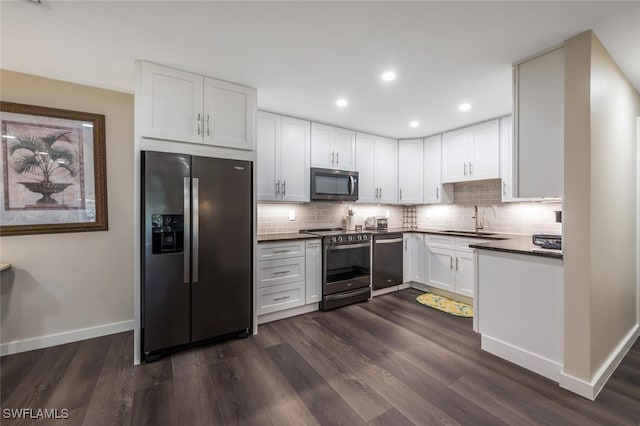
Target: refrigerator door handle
(195, 228)
(187, 228)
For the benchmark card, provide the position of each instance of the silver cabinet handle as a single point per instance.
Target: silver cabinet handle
(437, 193)
(281, 251)
(186, 241)
(405, 244)
(196, 228)
(450, 262)
(278, 187)
(277, 299)
(401, 193)
(470, 168)
(284, 188)
(380, 192)
(208, 125)
(198, 123)
(457, 259)
(333, 160)
(504, 188)
(465, 169)
(337, 157)
(281, 272)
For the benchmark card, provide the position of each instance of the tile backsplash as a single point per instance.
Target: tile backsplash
(495, 216)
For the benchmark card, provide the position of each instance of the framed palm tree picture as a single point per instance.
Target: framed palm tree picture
(53, 170)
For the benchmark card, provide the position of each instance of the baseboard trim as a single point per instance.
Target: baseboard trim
(536, 363)
(590, 390)
(275, 316)
(55, 339)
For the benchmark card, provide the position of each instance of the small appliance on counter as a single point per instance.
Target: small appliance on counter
(349, 221)
(546, 241)
(376, 223)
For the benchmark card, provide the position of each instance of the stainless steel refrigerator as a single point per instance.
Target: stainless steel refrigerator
(197, 252)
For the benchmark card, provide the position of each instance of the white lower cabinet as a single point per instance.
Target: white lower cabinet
(313, 278)
(413, 258)
(289, 275)
(449, 263)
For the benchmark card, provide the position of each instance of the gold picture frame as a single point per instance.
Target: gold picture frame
(53, 170)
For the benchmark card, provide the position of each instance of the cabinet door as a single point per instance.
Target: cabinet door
(539, 122)
(229, 114)
(407, 257)
(464, 273)
(455, 155)
(313, 281)
(418, 259)
(295, 159)
(440, 268)
(344, 146)
(484, 158)
(322, 154)
(171, 104)
(268, 151)
(365, 164)
(387, 170)
(410, 171)
(434, 191)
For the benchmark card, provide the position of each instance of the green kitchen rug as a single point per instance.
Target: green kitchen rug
(445, 304)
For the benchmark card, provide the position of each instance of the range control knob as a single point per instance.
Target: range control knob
(359, 237)
(339, 239)
(365, 237)
(350, 238)
(334, 239)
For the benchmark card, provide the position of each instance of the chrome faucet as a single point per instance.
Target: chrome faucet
(478, 225)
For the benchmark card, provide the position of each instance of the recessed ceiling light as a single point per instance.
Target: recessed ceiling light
(388, 76)
(342, 102)
(464, 107)
(414, 123)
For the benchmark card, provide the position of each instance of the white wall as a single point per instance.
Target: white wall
(62, 283)
(600, 212)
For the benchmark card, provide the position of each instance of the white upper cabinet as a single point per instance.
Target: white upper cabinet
(332, 147)
(410, 171)
(294, 159)
(387, 170)
(229, 114)
(377, 165)
(484, 147)
(507, 161)
(434, 191)
(471, 153)
(186, 107)
(283, 158)
(172, 104)
(366, 167)
(539, 125)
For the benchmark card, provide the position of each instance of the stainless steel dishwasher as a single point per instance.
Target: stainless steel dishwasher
(387, 260)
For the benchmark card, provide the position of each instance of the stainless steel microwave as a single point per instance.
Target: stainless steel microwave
(334, 185)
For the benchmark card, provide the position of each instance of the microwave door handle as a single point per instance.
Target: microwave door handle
(352, 185)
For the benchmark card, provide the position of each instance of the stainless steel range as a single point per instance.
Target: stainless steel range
(346, 267)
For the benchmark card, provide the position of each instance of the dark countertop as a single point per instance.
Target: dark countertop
(520, 245)
(283, 236)
(510, 243)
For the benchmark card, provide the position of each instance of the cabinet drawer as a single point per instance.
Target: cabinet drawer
(439, 241)
(281, 271)
(280, 297)
(462, 244)
(280, 250)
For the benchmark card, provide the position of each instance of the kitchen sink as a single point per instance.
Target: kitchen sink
(468, 233)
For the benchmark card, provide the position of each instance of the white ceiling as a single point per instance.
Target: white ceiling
(301, 56)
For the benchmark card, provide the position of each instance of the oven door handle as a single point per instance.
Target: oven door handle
(394, 240)
(348, 246)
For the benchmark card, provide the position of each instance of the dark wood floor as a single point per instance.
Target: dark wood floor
(387, 362)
